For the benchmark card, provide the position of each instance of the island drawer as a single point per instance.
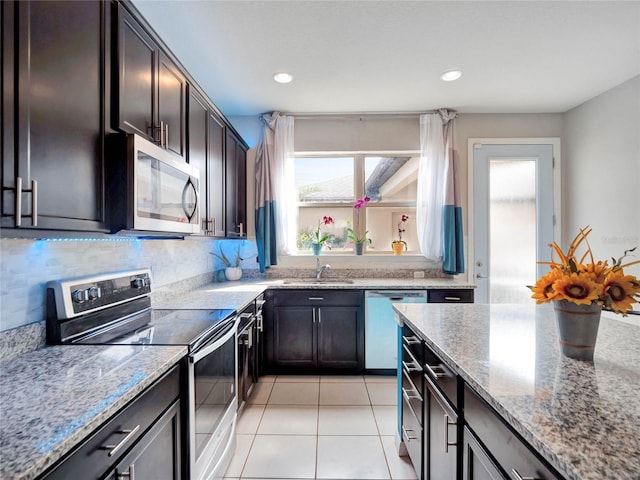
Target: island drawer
(511, 452)
(441, 376)
(413, 344)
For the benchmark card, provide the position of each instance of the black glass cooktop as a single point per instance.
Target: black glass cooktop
(163, 327)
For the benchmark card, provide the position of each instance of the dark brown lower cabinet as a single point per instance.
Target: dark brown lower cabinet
(476, 463)
(156, 456)
(441, 445)
(142, 441)
(314, 330)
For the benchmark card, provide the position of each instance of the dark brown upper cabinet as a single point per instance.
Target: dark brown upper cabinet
(151, 88)
(54, 106)
(235, 186)
(206, 152)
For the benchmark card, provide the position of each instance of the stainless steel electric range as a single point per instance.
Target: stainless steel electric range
(115, 309)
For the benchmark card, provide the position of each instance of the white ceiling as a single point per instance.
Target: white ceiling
(387, 56)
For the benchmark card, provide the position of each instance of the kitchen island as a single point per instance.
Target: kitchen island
(582, 418)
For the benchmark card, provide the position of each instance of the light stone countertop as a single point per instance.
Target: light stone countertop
(583, 417)
(54, 397)
(237, 295)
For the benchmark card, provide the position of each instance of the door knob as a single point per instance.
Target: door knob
(481, 276)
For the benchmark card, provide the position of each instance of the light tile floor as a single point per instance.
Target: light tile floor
(319, 427)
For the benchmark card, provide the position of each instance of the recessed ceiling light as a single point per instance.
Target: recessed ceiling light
(451, 75)
(283, 77)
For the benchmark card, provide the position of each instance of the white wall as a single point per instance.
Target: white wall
(601, 177)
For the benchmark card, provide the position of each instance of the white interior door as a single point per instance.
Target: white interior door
(513, 219)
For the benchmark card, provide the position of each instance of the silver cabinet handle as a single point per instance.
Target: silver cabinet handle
(113, 449)
(161, 133)
(259, 322)
(241, 226)
(447, 444)
(166, 135)
(406, 435)
(250, 337)
(411, 367)
(18, 202)
(432, 371)
(452, 299)
(246, 315)
(412, 340)
(411, 394)
(34, 203)
(313, 315)
(319, 316)
(213, 229)
(517, 476)
(316, 298)
(130, 474)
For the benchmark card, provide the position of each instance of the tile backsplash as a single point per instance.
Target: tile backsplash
(27, 265)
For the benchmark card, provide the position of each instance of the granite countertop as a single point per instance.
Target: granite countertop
(52, 398)
(583, 417)
(237, 295)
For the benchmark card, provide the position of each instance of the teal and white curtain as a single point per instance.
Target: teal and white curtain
(439, 209)
(275, 196)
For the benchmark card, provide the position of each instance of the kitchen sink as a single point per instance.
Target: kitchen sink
(315, 281)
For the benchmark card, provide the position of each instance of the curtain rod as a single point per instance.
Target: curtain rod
(357, 115)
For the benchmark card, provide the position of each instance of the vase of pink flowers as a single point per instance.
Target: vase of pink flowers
(354, 234)
(319, 239)
(399, 246)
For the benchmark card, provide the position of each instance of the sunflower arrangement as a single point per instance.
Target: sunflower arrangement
(583, 283)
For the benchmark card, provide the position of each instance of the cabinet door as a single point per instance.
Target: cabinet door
(476, 462)
(157, 455)
(235, 186)
(294, 337)
(215, 175)
(59, 102)
(172, 87)
(197, 151)
(340, 337)
(138, 59)
(440, 452)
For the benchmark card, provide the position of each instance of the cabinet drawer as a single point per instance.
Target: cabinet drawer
(512, 454)
(412, 368)
(318, 297)
(412, 394)
(413, 343)
(444, 379)
(92, 459)
(412, 437)
(450, 296)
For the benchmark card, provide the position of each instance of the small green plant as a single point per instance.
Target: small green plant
(225, 260)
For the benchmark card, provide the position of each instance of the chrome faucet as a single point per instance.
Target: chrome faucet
(320, 269)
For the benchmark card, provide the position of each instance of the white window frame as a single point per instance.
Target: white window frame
(358, 179)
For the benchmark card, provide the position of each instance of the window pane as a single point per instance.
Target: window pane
(324, 180)
(310, 218)
(512, 192)
(382, 224)
(391, 179)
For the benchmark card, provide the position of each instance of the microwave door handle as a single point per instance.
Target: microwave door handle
(184, 199)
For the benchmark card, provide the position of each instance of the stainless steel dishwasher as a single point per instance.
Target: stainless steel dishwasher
(381, 330)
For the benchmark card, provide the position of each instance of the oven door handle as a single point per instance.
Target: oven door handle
(217, 343)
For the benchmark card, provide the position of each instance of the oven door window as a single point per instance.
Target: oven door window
(214, 379)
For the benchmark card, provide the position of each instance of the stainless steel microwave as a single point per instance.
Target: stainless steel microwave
(158, 193)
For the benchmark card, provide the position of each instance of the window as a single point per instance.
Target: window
(329, 185)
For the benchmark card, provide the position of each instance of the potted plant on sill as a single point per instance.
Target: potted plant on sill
(579, 290)
(319, 239)
(399, 246)
(353, 234)
(232, 270)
